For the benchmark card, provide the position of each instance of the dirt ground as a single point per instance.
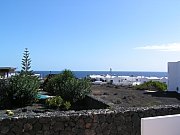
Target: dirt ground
(129, 97)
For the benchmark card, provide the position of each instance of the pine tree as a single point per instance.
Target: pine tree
(26, 63)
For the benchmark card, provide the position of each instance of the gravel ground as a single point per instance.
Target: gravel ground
(114, 96)
(129, 97)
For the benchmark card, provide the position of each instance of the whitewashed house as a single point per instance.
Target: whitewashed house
(6, 72)
(97, 77)
(164, 80)
(142, 79)
(109, 78)
(125, 80)
(174, 76)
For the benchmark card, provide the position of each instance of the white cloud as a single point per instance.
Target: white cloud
(172, 47)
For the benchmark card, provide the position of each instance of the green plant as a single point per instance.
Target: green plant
(26, 63)
(67, 105)
(19, 90)
(54, 102)
(24, 88)
(68, 87)
(152, 85)
(66, 74)
(4, 84)
(74, 89)
(4, 87)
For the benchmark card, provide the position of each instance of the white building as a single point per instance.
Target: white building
(6, 72)
(125, 80)
(174, 76)
(164, 80)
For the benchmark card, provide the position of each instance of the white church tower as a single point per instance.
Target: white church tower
(174, 76)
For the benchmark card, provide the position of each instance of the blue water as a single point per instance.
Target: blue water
(40, 96)
(82, 74)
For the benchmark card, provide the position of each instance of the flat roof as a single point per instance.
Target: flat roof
(7, 69)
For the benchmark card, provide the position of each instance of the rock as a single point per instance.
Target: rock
(88, 125)
(27, 127)
(37, 126)
(4, 130)
(58, 126)
(80, 123)
(89, 132)
(24, 110)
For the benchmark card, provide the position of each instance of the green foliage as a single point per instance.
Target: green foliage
(52, 84)
(26, 63)
(19, 90)
(58, 103)
(48, 77)
(68, 87)
(152, 85)
(4, 84)
(67, 105)
(54, 102)
(66, 74)
(4, 87)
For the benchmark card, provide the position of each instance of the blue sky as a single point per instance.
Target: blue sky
(125, 35)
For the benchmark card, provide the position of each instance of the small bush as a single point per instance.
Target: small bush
(58, 103)
(47, 78)
(152, 85)
(4, 87)
(68, 87)
(19, 90)
(67, 105)
(54, 102)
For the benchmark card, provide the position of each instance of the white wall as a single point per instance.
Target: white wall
(164, 80)
(173, 76)
(161, 125)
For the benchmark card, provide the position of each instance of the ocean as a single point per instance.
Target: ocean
(82, 74)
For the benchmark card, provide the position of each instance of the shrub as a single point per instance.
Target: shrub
(67, 105)
(66, 74)
(58, 103)
(4, 87)
(68, 87)
(54, 102)
(152, 85)
(53, 84)
(19, 90)
(74, 89)
(4, 84)
(47, 78)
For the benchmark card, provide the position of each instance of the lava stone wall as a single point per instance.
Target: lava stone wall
(122, 121)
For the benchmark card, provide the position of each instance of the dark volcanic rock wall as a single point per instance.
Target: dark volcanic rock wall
(121, 121)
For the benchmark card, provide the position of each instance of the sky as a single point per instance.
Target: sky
(90, 35)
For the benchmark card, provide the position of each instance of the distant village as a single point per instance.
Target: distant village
(125, 80)
(172, 81)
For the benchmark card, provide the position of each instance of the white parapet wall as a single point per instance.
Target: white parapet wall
(174, 76)
(161, 125)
